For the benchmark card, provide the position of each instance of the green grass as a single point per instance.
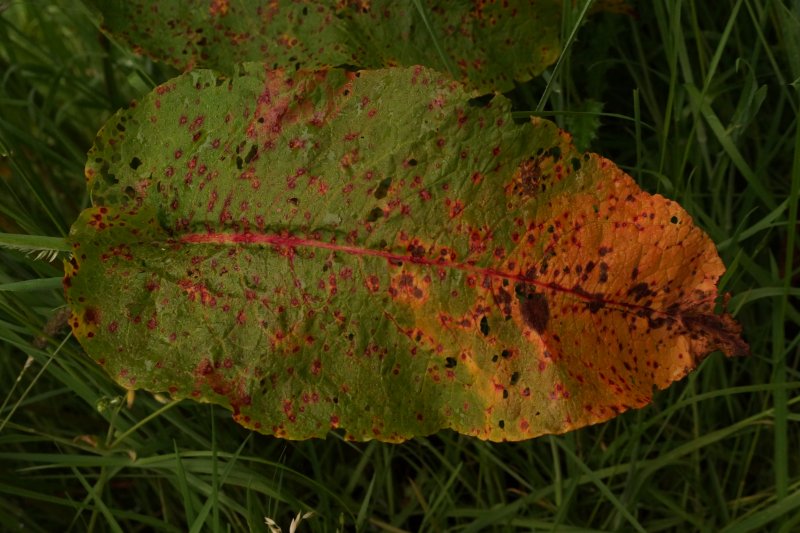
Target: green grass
(697, 100)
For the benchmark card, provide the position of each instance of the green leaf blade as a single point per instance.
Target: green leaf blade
(372, 252)
(489, 45)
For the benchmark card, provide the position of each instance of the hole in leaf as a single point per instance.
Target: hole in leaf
(484, 326)
(480, 101)
(135, 163)
(375, 214)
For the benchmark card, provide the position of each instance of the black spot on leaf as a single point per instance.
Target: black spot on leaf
(640, 291)
(383, 188)
(595, 305)
(374, 214)
(251, 154)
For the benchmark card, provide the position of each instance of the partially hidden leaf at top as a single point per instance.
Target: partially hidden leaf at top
(487, 44)
(376, 251)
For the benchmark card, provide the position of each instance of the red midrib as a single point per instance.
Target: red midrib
(295, 242)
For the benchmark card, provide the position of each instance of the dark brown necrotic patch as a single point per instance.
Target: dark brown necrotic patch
(639, 291)
(723, 330)
(91, 316)
(535, 311)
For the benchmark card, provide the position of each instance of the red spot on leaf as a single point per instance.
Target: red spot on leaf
(456, 208)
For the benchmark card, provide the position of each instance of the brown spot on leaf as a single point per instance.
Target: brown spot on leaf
(535, 311)
(528, 176)
(91, 316)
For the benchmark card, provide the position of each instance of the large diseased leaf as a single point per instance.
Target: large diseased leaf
(490, 44)
(376, 252)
